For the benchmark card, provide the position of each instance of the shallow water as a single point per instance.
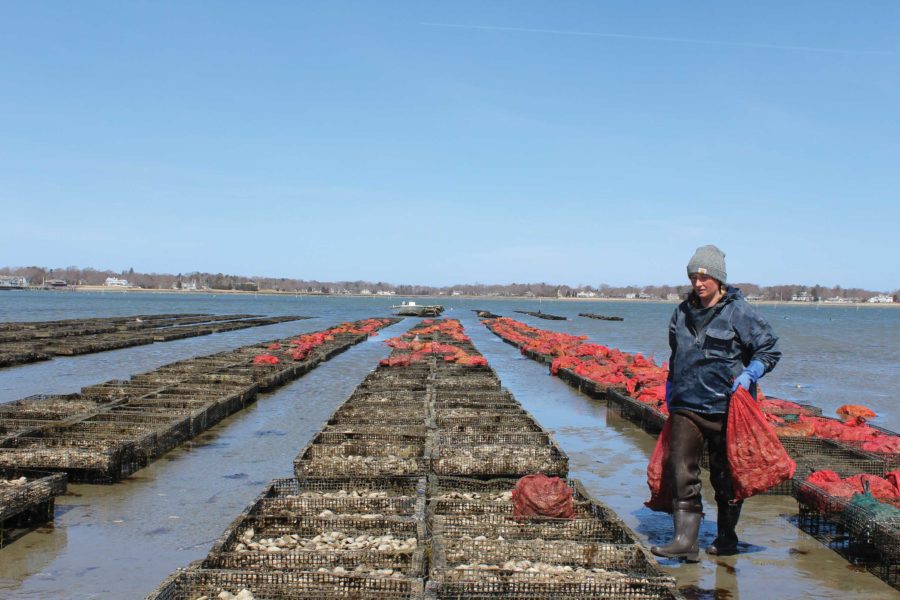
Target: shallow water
(122, 540)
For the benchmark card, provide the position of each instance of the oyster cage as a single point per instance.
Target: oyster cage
(29, 502)
(450, 552)
(195, 582)
(474, 421)
(400, 496)
(499, 460)
(587, 529)
(647, 417)
(361, 459)
(819, 453)
(858, 534)
(297, 518)
(459, 496)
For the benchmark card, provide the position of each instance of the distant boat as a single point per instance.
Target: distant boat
(411, 309)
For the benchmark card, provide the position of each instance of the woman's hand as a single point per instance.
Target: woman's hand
(749, 375)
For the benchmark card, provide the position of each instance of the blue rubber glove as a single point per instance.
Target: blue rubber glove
(749, 375)
(668, 392)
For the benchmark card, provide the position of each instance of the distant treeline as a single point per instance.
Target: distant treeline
(38, 276)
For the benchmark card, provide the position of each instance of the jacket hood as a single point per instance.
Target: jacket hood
(732, 293)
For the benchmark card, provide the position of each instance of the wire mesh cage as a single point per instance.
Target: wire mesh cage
(494, 526)
(482, 404)
(49, 407)
(360, 459)
(819, 453)
(390, 397)
(499, 460)
(625, 406)
(285, 585)
(611, 586)
(469, 421)
(451, 552)
(473, 382)
(464, 567)
(400, 496)
(23, 489)
(859, 528)
(116, 389)
(461, 496)
(10, 428)
(466, 506)
(327, 539)
(85, 459)
(449, 395)
(398, 437)
(386, 428)
(399, 412)
(449, 439)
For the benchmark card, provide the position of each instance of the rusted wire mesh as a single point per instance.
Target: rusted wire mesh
(285, 585)
(24, 489)
(499, 460)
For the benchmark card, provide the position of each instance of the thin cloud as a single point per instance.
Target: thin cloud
(654, 38)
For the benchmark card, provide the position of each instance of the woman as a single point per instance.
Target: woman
(718, 342)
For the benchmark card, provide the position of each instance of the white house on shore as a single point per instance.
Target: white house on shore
(13, 282)
(881, 299)
(803, 296)
(116, 282)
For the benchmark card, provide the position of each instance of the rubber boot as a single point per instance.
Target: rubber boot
(726, 540)
(687, 516)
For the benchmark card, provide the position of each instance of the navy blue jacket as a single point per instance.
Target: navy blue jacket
(704, 364)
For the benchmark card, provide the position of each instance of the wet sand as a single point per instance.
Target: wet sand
(121, 541)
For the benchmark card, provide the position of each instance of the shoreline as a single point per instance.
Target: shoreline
(397, 297)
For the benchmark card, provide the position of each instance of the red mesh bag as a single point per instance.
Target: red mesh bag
(757, 459)
(886, 444)
(265, 359)
(883, 489)
(657, 478)
(894, 478)
(799, 429)
(542, 496)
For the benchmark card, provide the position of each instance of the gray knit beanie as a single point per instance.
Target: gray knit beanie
(708, 260)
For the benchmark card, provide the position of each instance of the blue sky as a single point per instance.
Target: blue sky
(448, 142)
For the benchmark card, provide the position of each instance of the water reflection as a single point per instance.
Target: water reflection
(30, 554)
(726, 585)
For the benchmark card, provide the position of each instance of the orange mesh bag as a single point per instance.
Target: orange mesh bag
(854, 411)
(757, 459)
(657, 478)
(541, 496)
